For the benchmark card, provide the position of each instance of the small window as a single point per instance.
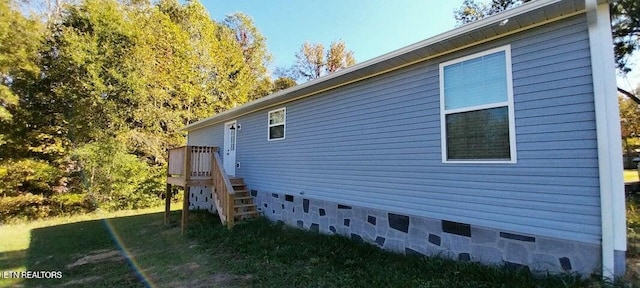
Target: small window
(476, 97)
(277, 119)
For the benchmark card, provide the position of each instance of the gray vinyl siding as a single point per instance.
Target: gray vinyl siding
(208, 136)
(376, 143)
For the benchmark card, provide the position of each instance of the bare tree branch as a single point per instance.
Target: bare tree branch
(630, 95)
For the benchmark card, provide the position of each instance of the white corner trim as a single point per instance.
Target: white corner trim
(612, 202)
(509, 104)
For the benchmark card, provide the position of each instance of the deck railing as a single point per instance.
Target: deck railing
(223, 192)
(176, 160)
(200, 166)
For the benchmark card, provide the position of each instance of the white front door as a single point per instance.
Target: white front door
(229, 150)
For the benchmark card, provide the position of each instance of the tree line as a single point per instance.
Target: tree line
(93, 92)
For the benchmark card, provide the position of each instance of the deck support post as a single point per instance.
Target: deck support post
(167, 205)
(185, 209)
(187, 173)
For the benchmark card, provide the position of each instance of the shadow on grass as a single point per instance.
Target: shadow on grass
(93, 253)
(12, 260)
(130, 251)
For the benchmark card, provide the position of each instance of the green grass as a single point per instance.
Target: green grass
(104, 250)
(89, 251)
(273, 255)
(630, 175)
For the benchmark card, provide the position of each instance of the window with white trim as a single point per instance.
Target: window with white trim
(476, 109)
(277, 120)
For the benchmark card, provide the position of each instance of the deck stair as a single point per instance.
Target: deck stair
(243, 206)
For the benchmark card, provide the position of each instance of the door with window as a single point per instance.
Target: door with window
(229, 149)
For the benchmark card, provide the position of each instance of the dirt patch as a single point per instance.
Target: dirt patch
(97, 256)
(216, 280)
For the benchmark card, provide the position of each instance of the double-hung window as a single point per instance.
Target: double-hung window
(277, 120)
(476, 108)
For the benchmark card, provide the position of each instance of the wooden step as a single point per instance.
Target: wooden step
(236, 181)
(245, 213)
(244, 205)
(241, 191)
(243, 198)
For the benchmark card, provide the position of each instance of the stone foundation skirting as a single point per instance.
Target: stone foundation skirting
(200, 199)
(409, 234)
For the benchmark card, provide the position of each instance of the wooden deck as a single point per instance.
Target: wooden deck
(191, 166)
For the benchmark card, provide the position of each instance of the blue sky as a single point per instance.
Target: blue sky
(370, 28)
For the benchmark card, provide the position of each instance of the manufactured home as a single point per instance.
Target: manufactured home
(497, 142)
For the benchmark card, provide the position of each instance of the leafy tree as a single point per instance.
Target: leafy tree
(116, 179)
(111, 78)
(254, 52)
(19, 42)
(630, 124)
(313, 62)
(625, 24)
(220, 59)
(101, 89)
(339, 57)
(28, 176)
(471, 10)
(310, 61)
(283, 83)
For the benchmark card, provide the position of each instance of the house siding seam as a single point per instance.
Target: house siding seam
(376, 144)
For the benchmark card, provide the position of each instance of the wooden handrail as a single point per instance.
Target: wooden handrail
(223, 192)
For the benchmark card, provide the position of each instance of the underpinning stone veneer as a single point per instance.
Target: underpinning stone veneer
(305, 205)
(371, 220)
(434, 239)
(199, 199)
(399, 222)
(517, 237)
(461, 229)
(412, 235)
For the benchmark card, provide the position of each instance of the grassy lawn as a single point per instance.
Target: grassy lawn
(630, 175)
(122, 249)
(134, 249)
